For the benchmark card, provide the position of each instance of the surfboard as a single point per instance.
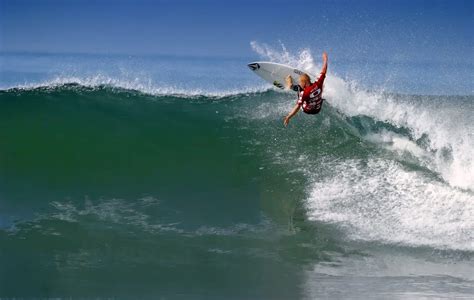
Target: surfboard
(275, 73)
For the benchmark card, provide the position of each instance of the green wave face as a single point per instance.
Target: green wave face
(148, 193)
(104, 138)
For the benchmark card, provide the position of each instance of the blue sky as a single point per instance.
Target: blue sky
(401, 30)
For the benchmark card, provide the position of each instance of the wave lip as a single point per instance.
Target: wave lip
(146, 87)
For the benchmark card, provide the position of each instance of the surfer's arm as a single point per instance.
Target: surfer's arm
(325, 63)
(292, 113)
(324, 69)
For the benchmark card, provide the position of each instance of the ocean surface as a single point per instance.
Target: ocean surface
(162, 177)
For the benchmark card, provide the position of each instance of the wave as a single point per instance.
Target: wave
(438, 130)
(420, 193)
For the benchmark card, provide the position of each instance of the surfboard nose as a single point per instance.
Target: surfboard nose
(254, 66)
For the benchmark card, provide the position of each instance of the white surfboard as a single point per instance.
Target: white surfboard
(276, 73)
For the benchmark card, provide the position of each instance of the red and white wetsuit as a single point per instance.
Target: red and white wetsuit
(310, 99)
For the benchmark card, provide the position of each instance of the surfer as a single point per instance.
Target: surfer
(309, 94)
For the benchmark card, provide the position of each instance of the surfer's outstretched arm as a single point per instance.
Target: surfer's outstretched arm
(292, 113)
(325, 63)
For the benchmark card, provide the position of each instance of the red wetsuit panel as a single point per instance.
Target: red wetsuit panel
(310, 98)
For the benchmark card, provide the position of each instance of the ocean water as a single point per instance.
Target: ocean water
(167, 177)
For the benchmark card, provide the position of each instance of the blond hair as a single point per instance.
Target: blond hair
(306, 78)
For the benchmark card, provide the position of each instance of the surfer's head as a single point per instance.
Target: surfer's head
(305, 80)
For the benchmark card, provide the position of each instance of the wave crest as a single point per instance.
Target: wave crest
(137, 85)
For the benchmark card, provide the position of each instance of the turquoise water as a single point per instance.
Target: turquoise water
(116, 186)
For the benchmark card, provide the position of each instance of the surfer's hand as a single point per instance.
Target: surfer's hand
(286, 121)
(325, 56)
